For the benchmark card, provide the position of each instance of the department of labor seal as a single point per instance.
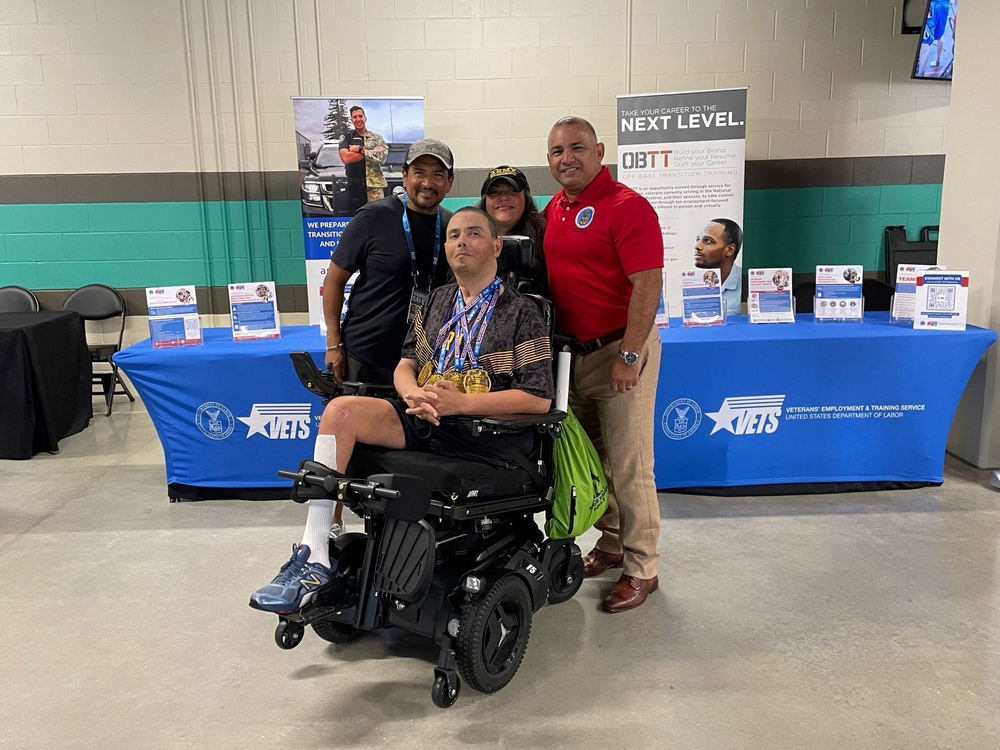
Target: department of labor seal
(214, 420)
(681, 419)
(584, 217)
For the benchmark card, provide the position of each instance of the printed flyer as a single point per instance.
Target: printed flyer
(254, 308)
(838, 294)
(905, 297)
(173, 316)
(942, 301)
(770, 297)
(701, 296)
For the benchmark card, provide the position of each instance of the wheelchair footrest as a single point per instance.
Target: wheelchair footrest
(404, 564)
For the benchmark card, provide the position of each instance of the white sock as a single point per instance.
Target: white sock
(317, 533)
(320, 515)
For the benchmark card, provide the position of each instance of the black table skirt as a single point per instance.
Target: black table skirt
(45, 381)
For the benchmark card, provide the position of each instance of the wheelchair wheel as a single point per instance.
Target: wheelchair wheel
(288, 634)
(493, 635)
(336, 632)
(565, 574)
(443, 694)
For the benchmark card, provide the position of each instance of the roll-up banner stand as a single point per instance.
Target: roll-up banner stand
(333, 181)
(686, 153)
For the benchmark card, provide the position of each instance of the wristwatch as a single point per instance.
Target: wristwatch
(630, 358)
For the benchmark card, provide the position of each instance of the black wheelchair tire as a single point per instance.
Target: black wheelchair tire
(441, 695)
(487, 660)
(565, 575)
(288, 634)
(336, 632)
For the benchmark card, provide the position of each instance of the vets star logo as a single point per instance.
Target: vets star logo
(279, 421)
(748, 415)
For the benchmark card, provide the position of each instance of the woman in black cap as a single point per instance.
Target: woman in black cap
(507, 198)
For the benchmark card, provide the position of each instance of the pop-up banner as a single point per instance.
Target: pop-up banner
(350, 151)
(685, 153)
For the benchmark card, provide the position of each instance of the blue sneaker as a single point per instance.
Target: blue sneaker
(295, 585)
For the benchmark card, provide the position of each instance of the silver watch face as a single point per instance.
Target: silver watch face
(630, 357)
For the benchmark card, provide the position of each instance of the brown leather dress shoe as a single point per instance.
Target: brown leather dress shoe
(629, 593)
(597, 561)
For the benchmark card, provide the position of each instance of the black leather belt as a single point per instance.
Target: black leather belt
(589, 347)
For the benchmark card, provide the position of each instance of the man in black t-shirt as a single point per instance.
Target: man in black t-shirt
(476, 348)
(375, 244)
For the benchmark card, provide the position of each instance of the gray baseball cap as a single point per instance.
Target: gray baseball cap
(429, 147)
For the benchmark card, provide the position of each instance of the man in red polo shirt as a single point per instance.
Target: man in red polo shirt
(605, 254)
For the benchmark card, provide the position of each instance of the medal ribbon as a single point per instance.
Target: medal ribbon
(413, 252)
(478, 323)
(478, 326)
(450, 341)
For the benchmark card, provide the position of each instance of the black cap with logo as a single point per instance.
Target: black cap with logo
(512, 175)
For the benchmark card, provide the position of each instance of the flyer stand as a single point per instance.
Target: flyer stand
(904, 300)
(663, 309)
(839, 297)
(173, 316)
(942, 301)
(770, 298)
(254, 307)
(701, 297)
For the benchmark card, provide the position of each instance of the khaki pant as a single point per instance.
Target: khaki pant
(621, 428)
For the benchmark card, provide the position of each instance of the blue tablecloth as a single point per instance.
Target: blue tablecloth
(737, 404)
(808, 402)
(229, 413)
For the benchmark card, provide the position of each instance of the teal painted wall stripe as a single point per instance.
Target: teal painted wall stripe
(805, 227)
(63, 246)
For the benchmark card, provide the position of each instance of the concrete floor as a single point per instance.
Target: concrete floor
(863, 621)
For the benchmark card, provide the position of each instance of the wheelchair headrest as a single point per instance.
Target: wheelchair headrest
(516, 256)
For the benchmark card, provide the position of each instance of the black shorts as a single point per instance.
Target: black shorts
(455, 439)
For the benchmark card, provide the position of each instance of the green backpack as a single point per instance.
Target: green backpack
(580, 488)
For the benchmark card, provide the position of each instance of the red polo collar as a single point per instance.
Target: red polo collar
(596, 189)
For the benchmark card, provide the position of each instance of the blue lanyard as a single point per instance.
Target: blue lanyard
(413, 252)
(449, 340)
(464, 347)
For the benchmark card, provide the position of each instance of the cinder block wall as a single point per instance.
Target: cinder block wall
(128, 156)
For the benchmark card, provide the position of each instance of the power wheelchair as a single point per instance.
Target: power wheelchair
(449, 549)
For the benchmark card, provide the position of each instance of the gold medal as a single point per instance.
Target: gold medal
(425, 374)
(454, 377)
(477, 381)
(433, 378)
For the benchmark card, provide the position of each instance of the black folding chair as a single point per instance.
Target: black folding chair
(100, 302)
(878, 295)
(17, 299)
(805, 296)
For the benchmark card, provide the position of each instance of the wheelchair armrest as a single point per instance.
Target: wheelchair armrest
(324, 385)
(314, 380)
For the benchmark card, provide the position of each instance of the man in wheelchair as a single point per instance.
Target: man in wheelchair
(477, 348)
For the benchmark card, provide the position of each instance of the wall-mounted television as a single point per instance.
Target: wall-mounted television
(935, 57)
